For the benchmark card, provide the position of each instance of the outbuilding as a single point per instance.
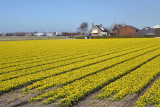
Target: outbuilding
(146, 31)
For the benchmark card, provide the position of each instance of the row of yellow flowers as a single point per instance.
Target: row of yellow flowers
(71, 93)
(17, 51)
(35, 75)
(50, 55)
(78, 63)
(85, 71)
(151, 97)
(37, 61)
(48, 63)
(43, 61)
(133, 82)
(26, 51)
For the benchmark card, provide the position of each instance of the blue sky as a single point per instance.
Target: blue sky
(67, 15)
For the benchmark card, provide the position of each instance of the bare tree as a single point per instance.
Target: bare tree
(112, 26)
(83, 27)
(113, 29)
(123, 24)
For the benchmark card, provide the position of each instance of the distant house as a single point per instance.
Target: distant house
(3, 34)
(59, 33)
(157, 32)
(28, 34)
(146, 31)
(39, 34)
(50, 34)
(0, 34)
(128, 31)
(115, 29)
(98, 30)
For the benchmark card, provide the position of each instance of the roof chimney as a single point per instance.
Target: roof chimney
(100, 25)
(92, 25)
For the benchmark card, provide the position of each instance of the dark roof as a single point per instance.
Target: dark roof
(146, 31)
(102, 28)
(134, 28)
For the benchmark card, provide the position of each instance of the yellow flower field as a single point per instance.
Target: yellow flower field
(66, 71)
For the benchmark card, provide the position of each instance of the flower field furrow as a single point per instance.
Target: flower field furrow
(63, 72)
(151, 97)
(95, 58)
(133, 82)
(57, 56)
(40, 75)
(45, 65)
(82, 72)
(22, 67)
(47, 57)
(56, 51)
(23, 51)
(77, 90)
(43, 61)
(34, 59)
(20, 56)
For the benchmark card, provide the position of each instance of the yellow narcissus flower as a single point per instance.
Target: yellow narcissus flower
(76, 68)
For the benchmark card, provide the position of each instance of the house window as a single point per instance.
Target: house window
(95, 31)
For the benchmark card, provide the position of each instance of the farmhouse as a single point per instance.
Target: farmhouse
(128, 31)
(98, 30)
(146, 31)
(157, 32)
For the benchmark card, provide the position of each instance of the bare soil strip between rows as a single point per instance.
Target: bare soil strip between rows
(138, 95)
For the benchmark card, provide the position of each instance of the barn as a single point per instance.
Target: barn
(146, 31)
(128, 31)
